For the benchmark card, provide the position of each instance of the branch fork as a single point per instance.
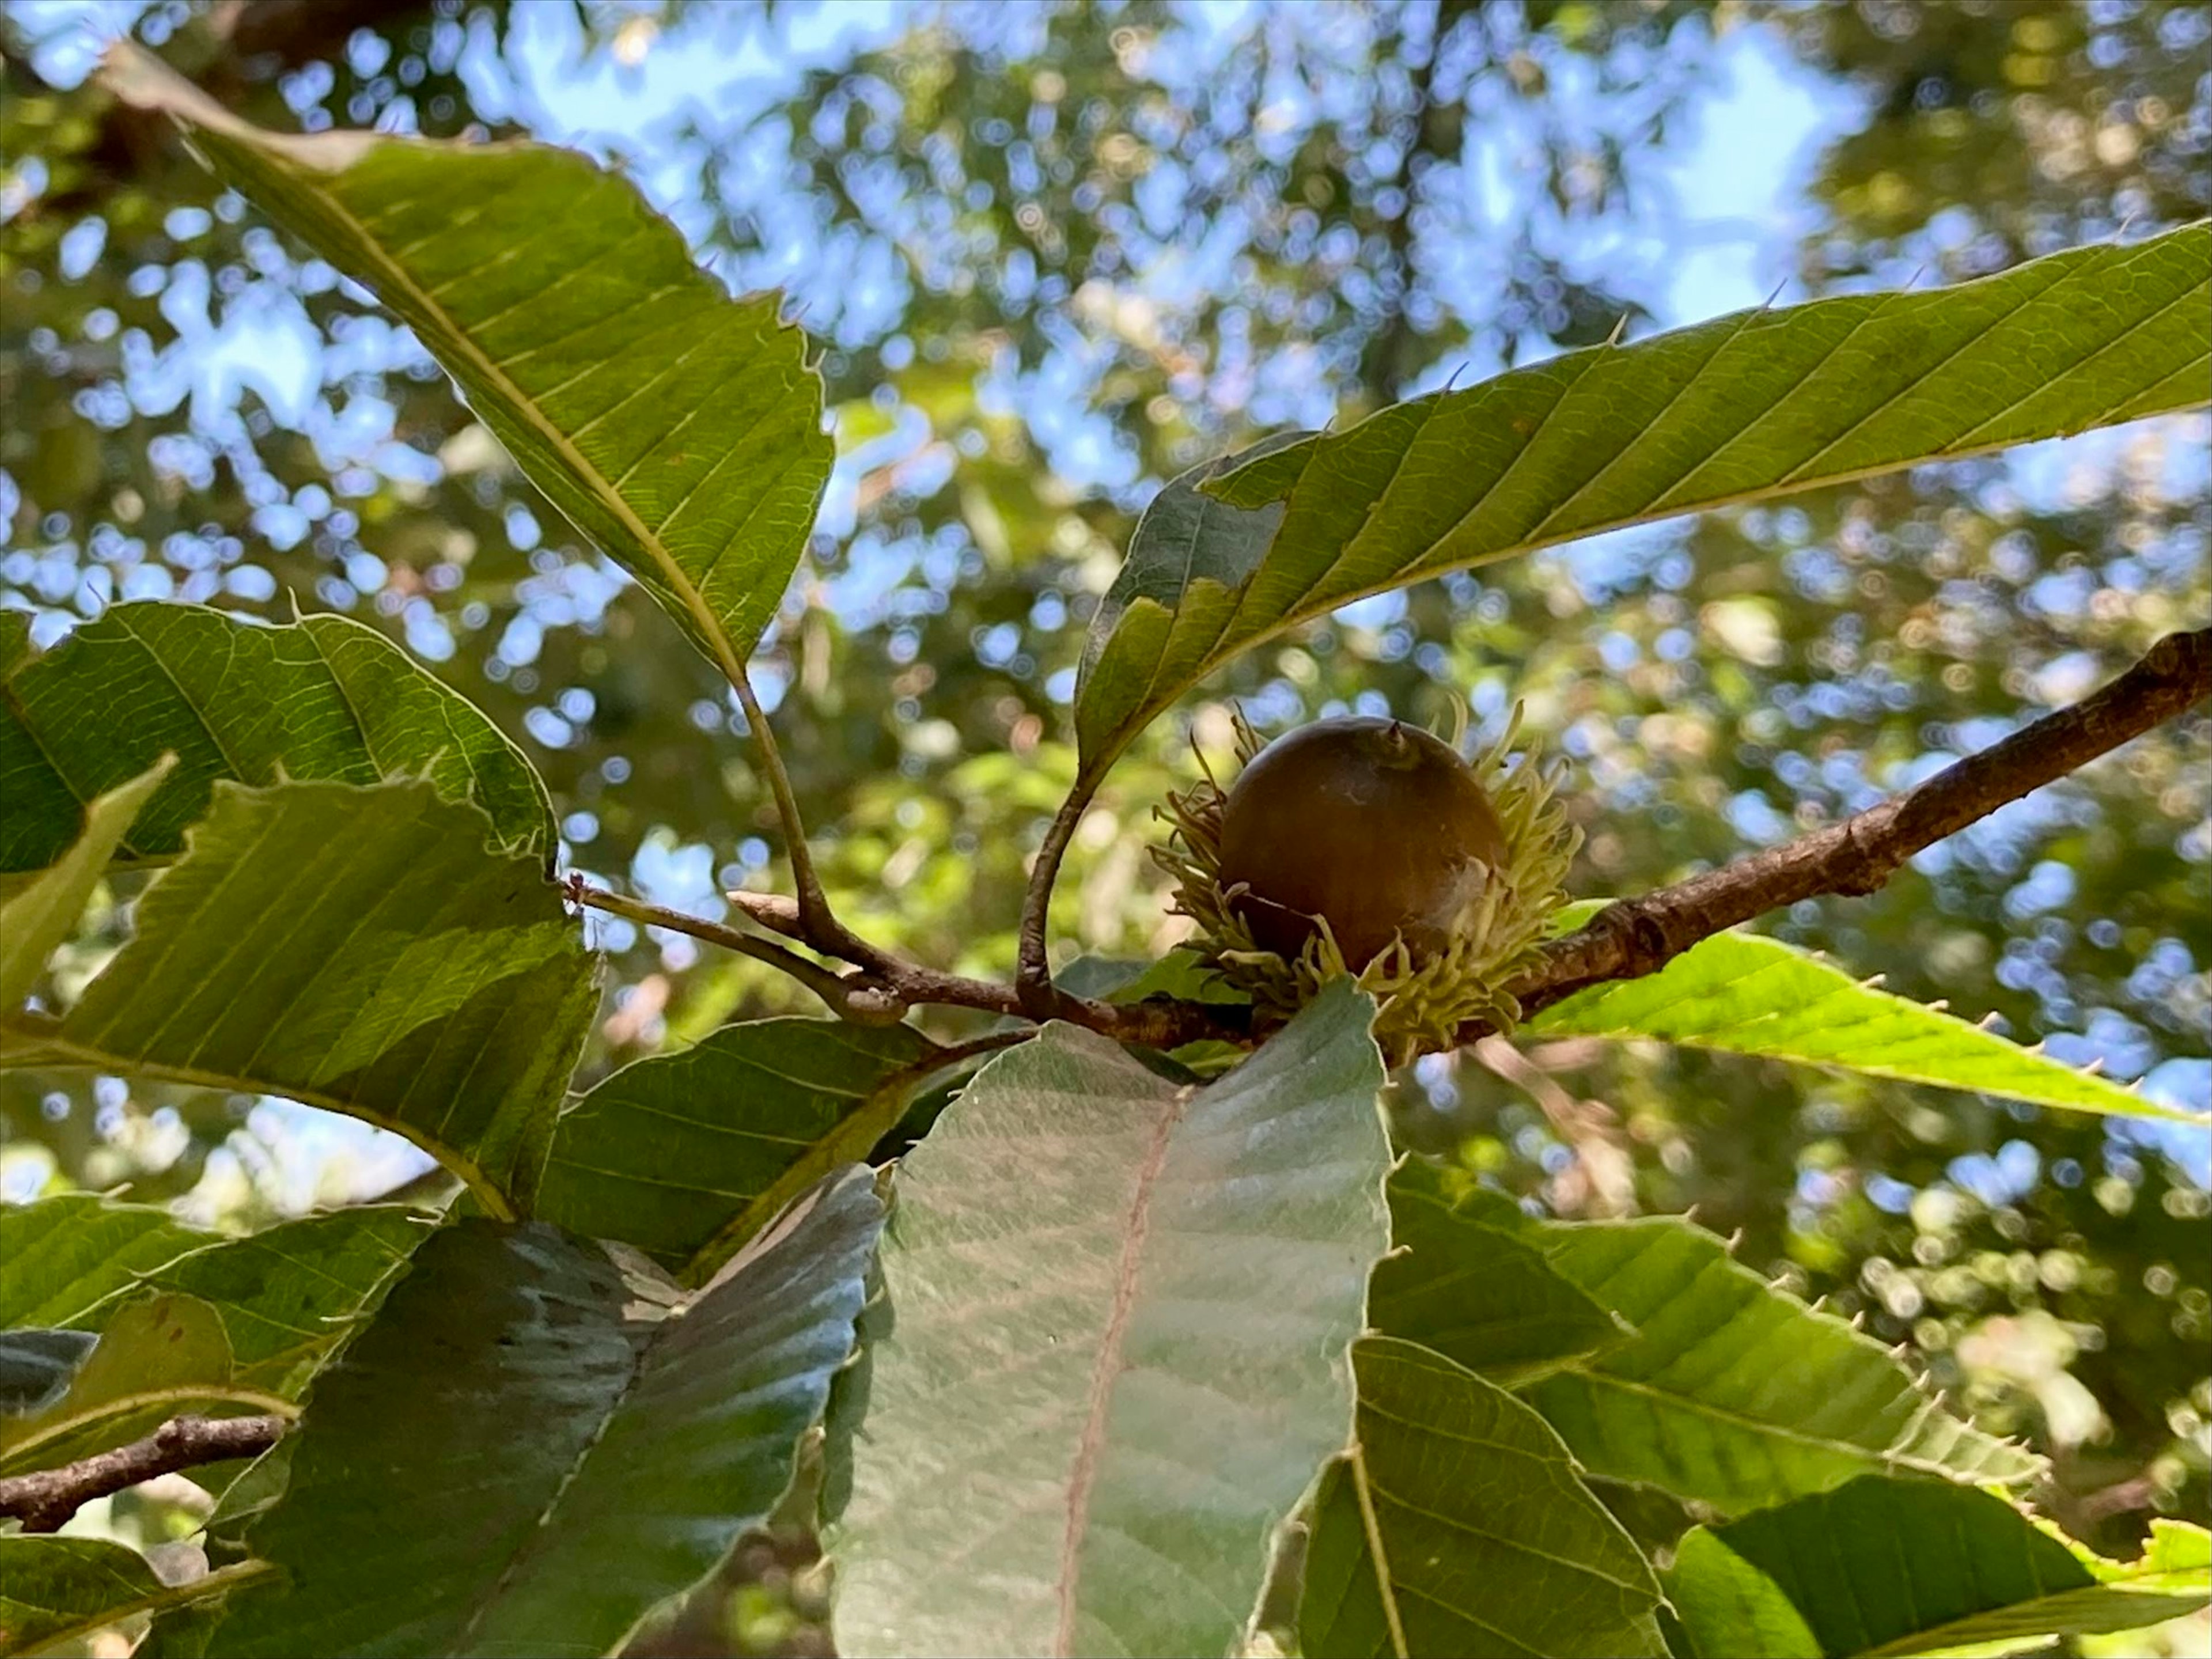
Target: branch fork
(1628, 939)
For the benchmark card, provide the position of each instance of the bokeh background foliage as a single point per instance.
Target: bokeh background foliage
(1056, 255)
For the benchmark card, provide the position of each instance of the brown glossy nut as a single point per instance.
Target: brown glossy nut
(1377, 826)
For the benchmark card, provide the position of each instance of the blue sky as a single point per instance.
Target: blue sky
(1718, 232)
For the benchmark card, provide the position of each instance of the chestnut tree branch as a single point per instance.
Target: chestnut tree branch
(1639, 936)
(1040, 998)
(859, 996)
(1628, 939)
(44, 1500)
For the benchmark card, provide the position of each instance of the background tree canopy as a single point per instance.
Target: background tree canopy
(1059, 254)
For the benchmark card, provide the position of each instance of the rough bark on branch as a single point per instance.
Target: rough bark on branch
(45, 1500)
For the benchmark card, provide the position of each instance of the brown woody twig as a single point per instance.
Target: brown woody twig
(43, 1501)
(1628, 939)
(1855, 857)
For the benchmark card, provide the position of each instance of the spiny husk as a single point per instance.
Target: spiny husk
(1422, 1000)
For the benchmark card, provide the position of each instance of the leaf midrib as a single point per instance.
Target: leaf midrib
(1125, 731)
(44, 1032)
(726, 655)
(1106, 1366)
(1886, 1455)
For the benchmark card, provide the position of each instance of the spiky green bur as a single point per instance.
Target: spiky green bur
(1422, 1000)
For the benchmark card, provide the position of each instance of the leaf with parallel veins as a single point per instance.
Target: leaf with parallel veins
(1743, 408)
(678, 428)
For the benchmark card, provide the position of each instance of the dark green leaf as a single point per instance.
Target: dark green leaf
(1189, 549)
(1745, 995)
(36, 1366)
(1459, 1281)
(678, 428)
(1896, 1567)
(359, 950)
(527, 1449)
(687, 1155)
(1458, 1526)
(1731, 1392)
(1746, 407)
(323, 699)
(1117, 1310)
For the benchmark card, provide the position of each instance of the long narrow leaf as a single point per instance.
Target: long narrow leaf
(1753, 406)
(1899, 1567)
(1746, 994)
(289, 1294)
(527, 1449)
(360, 950)
(677, 428)
(325, 698)
(280, 1300)
(685, 1156)
(1118, 1315)
(1458, 1525)
(1731, 1392)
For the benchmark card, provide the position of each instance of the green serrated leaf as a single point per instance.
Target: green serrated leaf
(1460, 1283)
(678, 428)
(1117, 1313)
(527, 1448)
(685, 1156)
(55, 1592)
(359, 950)
(1890, 1567)
(40, 917)
(288, 1295)
(60, 1256)
(1731, 1392)
(323, 699)
(1458, 1526)
(1746, 994)
(1746, 407)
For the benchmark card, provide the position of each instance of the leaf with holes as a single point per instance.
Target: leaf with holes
(529, 1447)
(1899, 1567)
(1117, 1315)
(1743, 993)
(685, 1156)
(1458, 1525)
(325, 698)
(678, 428)
(1743, 408)
(1730, 1392)
(359, 950)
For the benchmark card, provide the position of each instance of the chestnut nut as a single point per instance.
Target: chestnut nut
(1378, 827)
